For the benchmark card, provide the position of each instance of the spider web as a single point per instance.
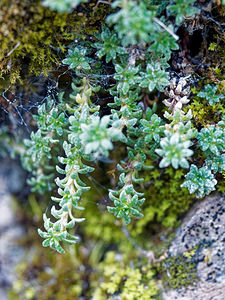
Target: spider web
(18, 104)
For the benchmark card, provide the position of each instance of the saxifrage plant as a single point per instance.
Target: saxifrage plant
(128, 60)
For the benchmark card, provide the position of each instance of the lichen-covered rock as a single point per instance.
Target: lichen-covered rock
(202, 234)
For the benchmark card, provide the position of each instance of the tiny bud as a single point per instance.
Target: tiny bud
(173, 83)
(167, 103)
(171, 94)
(182, 82)
(79, 99)
(175, 127)
(184, 100)
(177, 98)
(178, 89)
(178, 105)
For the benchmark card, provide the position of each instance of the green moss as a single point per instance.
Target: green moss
(32, 36)
(101, 226)
(126, 281)
(165, 200)
(178, 271)
(40, 274)
(202, 113)
(205, 114)
(26, 33)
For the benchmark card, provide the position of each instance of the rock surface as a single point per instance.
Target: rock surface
(10, 231)
(203, 229)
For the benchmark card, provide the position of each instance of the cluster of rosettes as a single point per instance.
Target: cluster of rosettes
(178, 94)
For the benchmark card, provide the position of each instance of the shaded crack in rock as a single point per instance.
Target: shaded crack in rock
(203, 230)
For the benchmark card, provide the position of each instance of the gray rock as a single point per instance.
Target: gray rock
(10, 231)
(203, 229)
(13, 175)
